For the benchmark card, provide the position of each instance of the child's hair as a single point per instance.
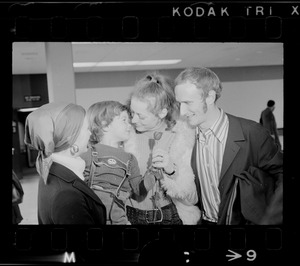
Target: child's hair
(100, 115)
(161, 89)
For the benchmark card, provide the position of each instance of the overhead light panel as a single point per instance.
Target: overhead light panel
(126, 63)
(159, 62)
(114, 64)
(84, 64)
(27, 109)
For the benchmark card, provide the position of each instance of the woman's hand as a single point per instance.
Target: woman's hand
(161, 160)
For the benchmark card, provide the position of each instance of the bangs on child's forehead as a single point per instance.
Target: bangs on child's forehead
(118, 109)
(111, 108)
(100, 115)
(105, 111)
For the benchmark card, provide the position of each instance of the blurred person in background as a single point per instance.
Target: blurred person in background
(267, 119)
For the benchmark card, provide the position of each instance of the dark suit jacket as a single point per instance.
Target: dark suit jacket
(256, 199)
(248, 144)
(66, 199)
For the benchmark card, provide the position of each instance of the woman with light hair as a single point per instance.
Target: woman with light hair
(162, 145)
(59, 131)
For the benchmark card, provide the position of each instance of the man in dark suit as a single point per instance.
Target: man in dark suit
(237, 165)
(267, 119)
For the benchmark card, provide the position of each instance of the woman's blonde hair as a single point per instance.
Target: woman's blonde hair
(161, 89)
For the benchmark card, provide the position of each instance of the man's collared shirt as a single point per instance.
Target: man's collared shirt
(210, 151)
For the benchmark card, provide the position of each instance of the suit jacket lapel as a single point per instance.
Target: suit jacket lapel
(235, 133)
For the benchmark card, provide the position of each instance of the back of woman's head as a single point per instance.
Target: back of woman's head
(67, 126)
(158, 92)
(100, 115)
(53, 127)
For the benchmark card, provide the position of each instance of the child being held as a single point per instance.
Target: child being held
(111, 172)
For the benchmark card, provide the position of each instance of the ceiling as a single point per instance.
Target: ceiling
(29, 57)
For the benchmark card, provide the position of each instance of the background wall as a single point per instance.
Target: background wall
(248, 99)
(246, 90)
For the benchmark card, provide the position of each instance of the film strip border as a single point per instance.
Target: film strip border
(145, 21)
(113, 244)
(158, 21)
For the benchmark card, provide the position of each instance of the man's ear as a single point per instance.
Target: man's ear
(211, 97)
(162, 114)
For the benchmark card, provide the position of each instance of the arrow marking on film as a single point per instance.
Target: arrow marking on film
(234, 255)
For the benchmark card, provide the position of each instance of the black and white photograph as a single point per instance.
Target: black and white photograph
(147, 133)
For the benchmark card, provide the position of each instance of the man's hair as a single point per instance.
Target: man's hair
(203, 78)
(270, 103)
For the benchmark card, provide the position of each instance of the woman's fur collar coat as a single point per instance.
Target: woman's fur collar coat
(181, 186)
